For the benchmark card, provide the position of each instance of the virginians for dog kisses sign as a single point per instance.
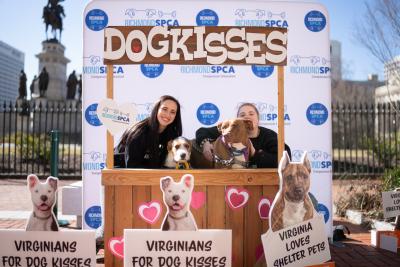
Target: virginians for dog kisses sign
(150, 248)
(191, 45)
(46, 248)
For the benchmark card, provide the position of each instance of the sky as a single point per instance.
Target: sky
(22, 27)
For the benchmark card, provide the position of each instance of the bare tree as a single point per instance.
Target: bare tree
(379, 33)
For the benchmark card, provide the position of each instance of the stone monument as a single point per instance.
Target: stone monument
(52, 55)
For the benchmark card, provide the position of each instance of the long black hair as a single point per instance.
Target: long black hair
(172, 131)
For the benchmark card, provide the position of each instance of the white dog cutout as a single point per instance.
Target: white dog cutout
(177, 198)
(43, 197)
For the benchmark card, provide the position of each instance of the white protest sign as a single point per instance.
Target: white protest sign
(47, 248)
(302, 244)
(145, 248)
(391, 203)
(116, 118)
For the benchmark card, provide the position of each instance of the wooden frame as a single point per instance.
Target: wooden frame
(125, 189)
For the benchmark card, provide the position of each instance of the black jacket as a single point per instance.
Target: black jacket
(265, 144)
(140, 155)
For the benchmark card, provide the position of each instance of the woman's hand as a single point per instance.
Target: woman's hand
(252, 149)
(208, 150)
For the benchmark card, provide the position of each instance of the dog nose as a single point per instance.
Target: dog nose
(43, 197)
(298, 190)
(175, 197)
(183, 155)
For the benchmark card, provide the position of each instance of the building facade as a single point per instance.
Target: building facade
(11, 63)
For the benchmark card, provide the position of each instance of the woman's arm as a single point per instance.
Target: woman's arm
(266, 146)
(136, 152)
(203, 133)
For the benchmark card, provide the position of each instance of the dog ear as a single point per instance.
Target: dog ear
(248, 124)
(53, 181)
(164, 182)
(284, 161)
(32, 180)
(188, 180)
(219, 126)
(169, 145)
(305, 161)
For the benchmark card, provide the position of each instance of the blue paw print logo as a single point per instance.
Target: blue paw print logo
(315, 21)
(208, 113)
(96, 19)
(317, 114)
(207, 17)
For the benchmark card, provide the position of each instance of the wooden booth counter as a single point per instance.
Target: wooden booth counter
(126, 189)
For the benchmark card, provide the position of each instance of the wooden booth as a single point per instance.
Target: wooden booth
(125, 189)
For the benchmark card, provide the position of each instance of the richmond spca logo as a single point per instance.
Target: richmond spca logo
(143, 110)
(94, 161)
(269, 113)
(207, 71)
(261, 18)
(150, 17)
(321, 161)
(92, 65)
(316, 66)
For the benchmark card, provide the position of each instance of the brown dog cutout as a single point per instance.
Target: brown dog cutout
(292, 204)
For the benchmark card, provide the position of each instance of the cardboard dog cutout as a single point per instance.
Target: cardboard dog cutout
(292, 204)
(296, 235)
(43, 196)
(177, 198)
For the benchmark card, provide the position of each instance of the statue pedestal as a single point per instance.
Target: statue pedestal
(52, 57)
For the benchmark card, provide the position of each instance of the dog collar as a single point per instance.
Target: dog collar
(41, 218)
(178, 218)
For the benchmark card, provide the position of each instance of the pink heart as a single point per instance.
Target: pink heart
(236, 197)
(263, 207)
(116, 246)
(150, 212)
(198, 200)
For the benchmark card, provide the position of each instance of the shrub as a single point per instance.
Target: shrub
(391, 179)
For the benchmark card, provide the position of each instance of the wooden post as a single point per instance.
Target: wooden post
(109, 191)
(281, 112)
(110, 138)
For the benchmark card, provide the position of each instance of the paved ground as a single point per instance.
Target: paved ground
(15, 206)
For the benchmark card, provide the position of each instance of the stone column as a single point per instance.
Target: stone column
(52, 57)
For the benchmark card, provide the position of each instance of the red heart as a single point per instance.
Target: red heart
(198, 200)
(236, 197)
(116, 246)
(263, 207)
(150, 212)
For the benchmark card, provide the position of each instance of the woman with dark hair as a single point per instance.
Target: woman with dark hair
(264, 142)
(144, 145)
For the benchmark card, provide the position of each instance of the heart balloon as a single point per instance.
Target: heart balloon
(236, 197)
(116, 246)
(198, 200)
(116, 118)
(150, 212)
(263, 207)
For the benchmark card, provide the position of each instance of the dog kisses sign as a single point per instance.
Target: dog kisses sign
(42, 244)
(146, 248)
(180, 243)
(47, 248)
(296, 236)
(195, 45)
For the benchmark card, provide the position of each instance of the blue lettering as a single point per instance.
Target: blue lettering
(168, 22)
(286, 117)
(277, 23)
(326, 164)
(224, 69)
(324, 70)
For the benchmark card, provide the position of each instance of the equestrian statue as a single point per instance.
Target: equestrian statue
(53, 14)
